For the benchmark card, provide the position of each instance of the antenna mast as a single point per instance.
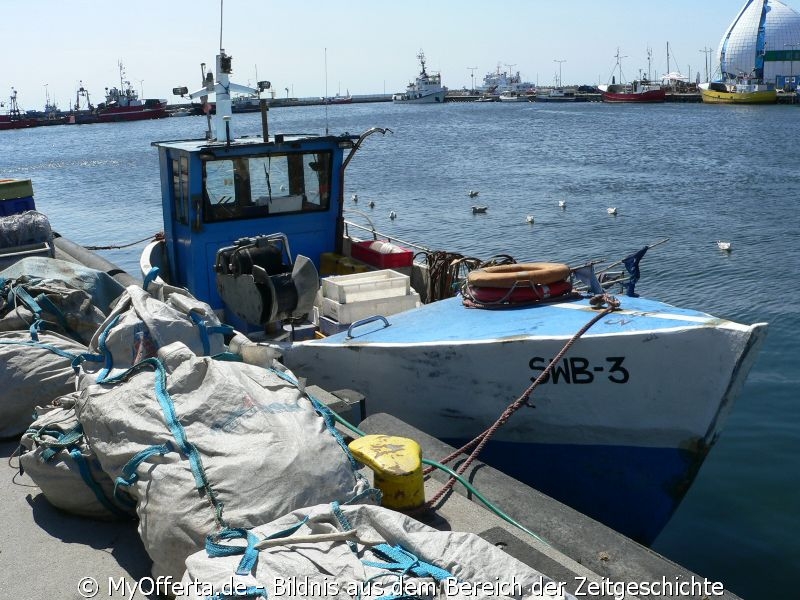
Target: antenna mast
(326, 101)
(220, 24)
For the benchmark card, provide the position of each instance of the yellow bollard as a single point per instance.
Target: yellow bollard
(397, 465)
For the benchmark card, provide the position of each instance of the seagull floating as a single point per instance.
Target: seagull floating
(354, 198)
(371, 204)
(479, 209)
(612, 210)
(473, 193)
(529, 218)
(562, 204)
(393, 215)
(724, 246)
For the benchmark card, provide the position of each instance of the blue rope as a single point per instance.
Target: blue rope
(106, 353)
(150, 278)
(86, 475)
(404, 561)
(345, 523)
(250, 558)
(42, 345)
(206, 329)
(251, 591)
(129, 475)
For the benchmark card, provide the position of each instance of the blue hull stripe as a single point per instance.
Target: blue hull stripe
(633, 490)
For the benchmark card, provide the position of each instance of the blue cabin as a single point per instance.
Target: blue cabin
(247, 220)
(215, 193)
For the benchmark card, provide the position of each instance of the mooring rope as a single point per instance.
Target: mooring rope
(608, 304)
(155, 237)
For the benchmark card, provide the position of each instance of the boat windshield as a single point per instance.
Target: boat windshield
(261, 186)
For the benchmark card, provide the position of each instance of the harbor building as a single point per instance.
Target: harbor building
(762, 43)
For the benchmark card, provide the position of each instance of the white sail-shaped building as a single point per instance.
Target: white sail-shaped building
(762, 43)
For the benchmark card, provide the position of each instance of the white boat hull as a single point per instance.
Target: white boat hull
(433, 98)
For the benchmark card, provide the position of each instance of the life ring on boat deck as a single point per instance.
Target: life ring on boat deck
(523, 293)
(508, 276)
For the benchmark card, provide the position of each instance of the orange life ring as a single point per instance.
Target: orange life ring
(523, 293)
(525, 274)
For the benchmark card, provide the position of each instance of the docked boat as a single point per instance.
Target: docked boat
(268, 215)
(638, 91)
(635, 92)
(427, 88)
(14, 118)
(121, 104)
(497, 82)
(339, 99)
(556, 94)
(743, 91)
(510, 96)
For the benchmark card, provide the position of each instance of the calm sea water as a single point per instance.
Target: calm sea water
(692, 173)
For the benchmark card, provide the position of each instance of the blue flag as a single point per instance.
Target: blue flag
(632, 266)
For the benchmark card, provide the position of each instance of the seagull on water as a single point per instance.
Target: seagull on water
(562, 204)
(724, 246)
(354, 198)
(371, 204)
(392, 215)
(612, 210)
(529, 218)
(473, 193)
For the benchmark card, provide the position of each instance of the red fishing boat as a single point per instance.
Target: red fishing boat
(642, 90)
(122, 104)
(14, 119)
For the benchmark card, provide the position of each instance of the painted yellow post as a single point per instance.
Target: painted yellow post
(397, 465)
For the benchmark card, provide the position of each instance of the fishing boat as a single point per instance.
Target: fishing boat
(14, 118)
(741, 91)
(249, 224)
(497, 82)
(425, 89)
(643, 90)
(556, 94)
(339, 99)
(121, 104)
(511, 96)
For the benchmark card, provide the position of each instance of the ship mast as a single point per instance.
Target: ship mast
(221, 88)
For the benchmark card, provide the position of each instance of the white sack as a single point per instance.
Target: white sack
(437, 564)
(57, 458)
(260, 449)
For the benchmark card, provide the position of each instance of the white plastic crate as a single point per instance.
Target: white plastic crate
(354, 311)
(372, 285)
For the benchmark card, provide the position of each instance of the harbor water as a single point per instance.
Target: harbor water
(692, 173)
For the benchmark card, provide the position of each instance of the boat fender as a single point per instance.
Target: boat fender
(509, 276)
(397, 465)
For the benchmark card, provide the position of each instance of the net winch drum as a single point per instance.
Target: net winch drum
(258, 281)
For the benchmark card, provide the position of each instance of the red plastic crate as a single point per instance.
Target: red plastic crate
(369, 252)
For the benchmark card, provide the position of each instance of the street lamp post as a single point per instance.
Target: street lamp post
(472, 75)
(559, 70)
(791, 63)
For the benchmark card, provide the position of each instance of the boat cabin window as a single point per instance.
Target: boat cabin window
(261, 186)
(180, 188)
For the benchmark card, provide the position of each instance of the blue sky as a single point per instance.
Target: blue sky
(51, 45)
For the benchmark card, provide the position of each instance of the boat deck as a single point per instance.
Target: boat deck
(448, 320)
